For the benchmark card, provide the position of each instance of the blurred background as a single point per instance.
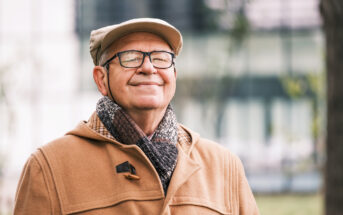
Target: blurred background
(251, 76)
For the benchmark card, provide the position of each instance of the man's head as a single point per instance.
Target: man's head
(135, 64)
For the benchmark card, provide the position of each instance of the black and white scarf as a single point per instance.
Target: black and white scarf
(160, 149)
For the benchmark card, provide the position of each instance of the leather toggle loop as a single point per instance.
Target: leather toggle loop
(128, 169)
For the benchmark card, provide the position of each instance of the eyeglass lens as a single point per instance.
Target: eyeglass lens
(134, 59)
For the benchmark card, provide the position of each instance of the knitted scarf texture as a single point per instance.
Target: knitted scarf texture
(160, 149)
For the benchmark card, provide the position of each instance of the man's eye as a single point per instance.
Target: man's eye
(128, 60)
(160, 59)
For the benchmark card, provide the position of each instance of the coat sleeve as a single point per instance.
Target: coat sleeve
(247, 203)
(32, 196)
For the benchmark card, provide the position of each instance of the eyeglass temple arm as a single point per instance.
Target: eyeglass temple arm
(109, 60)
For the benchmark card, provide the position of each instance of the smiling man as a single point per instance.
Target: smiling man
(132, 156)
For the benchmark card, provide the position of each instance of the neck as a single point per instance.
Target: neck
(147, 120)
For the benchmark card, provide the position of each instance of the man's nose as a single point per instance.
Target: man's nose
(147, 66)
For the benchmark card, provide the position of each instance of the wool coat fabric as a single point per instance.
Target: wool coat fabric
(76, 174)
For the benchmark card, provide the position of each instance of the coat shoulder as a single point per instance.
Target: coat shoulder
(66, 142)
(206, 147)
(70, 146)
(213, 149)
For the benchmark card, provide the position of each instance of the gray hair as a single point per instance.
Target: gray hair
(104, 56)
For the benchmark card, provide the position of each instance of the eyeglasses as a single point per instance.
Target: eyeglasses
(135, 59)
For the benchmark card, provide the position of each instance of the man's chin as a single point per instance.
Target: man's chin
(150, 105)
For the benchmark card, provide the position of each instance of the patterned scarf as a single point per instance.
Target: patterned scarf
(160, 149)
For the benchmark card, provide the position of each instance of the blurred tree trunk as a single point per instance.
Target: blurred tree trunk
(332, 13)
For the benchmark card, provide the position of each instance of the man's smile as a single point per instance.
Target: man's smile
(146, 83)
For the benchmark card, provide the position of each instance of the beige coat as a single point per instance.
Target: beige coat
(76, 174)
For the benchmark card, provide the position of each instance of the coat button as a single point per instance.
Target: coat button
(132, 177)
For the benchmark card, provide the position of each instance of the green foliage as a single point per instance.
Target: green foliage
(240, 28)
(317, 84)
(294, 86)
(313, 85)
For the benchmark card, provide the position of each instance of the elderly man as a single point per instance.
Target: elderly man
(132, 156)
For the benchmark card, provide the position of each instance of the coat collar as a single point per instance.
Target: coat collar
(84, 131)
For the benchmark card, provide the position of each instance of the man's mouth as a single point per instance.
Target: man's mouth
(142, 83)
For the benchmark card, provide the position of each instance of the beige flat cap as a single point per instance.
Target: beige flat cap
(101, 38)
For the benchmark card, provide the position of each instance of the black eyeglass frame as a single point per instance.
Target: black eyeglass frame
(144, 55)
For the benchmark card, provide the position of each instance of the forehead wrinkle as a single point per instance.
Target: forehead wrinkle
(136, 36)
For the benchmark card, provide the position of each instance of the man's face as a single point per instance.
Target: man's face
(146, 87)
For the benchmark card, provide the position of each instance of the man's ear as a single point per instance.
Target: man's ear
(99, 76)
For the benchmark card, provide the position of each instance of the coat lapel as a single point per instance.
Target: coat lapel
(184, 169)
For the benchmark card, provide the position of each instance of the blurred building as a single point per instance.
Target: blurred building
(250, 77)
